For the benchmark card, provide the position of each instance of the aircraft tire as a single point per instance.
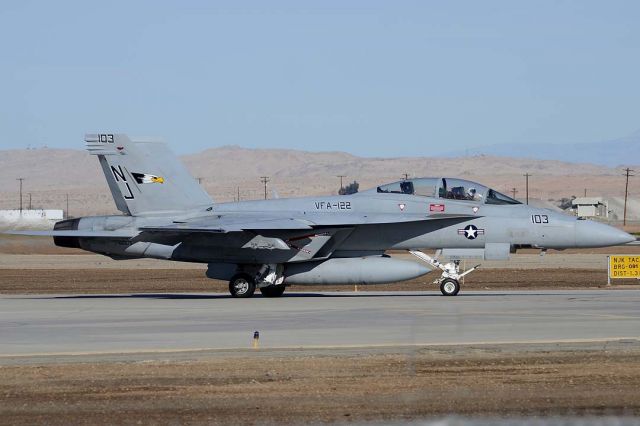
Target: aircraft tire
(272, 291)
(449, 287)
(242, 285)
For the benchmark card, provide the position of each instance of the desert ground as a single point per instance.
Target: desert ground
(318, 386)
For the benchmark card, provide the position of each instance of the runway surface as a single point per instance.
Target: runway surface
(57, 324)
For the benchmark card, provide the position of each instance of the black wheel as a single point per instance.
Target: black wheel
(272, 291)
(242, 285)
(449, 287)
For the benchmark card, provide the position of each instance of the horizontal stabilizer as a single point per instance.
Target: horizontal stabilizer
(79, 234)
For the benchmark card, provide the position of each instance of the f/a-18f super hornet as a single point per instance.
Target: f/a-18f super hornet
(311, 240)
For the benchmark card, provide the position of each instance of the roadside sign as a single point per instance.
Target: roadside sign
(623, 266)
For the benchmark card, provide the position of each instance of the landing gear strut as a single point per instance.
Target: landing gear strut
(449, 281)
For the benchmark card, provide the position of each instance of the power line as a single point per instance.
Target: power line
(626, 191)
(264, 180)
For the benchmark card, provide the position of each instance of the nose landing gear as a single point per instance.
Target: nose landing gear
(449, 281)
(449, 287)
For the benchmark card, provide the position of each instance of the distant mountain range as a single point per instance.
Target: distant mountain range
(50, 174)
(612, 153)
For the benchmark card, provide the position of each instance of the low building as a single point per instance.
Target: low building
(29, 219)
(591, 207)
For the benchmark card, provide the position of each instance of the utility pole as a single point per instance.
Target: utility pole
(67, 215)
(238, 193)
(626, 191)
(513, 191)
(20, 179)
(264, 180)
(30, 202)
(406, 176)
(527, 175)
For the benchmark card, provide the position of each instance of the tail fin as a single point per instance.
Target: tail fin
(145, 177)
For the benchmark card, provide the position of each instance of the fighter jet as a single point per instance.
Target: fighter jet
(270, 244)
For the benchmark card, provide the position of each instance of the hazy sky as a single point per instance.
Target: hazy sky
(381, 78)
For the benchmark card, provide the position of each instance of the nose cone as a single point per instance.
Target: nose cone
(594, 234)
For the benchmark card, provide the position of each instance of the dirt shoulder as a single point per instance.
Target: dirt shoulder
(18, 281)
(302, 387)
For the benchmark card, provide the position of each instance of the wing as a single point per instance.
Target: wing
(313, 237)
(353, 219)
(231, 224)
(234, 223)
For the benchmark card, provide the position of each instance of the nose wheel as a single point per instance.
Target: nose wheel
(449, 287)
(450, 279)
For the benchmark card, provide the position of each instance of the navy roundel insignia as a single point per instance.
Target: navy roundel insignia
(471, 232)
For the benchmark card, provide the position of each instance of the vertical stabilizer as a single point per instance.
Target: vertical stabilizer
(145, 177)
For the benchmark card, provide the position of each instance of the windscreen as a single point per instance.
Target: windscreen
(402, 187)
(494, 197)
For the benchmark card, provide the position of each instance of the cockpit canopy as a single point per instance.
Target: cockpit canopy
(447, 188)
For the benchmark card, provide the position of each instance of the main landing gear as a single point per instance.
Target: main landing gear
(268, 279)
(449, 281)
(242, 285)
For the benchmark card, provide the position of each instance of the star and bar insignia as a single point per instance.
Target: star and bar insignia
(471, 232)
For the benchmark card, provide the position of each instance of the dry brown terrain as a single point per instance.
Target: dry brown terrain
(20, 281)
(301, 387)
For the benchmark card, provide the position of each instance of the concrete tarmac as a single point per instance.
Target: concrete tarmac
(130, 323)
